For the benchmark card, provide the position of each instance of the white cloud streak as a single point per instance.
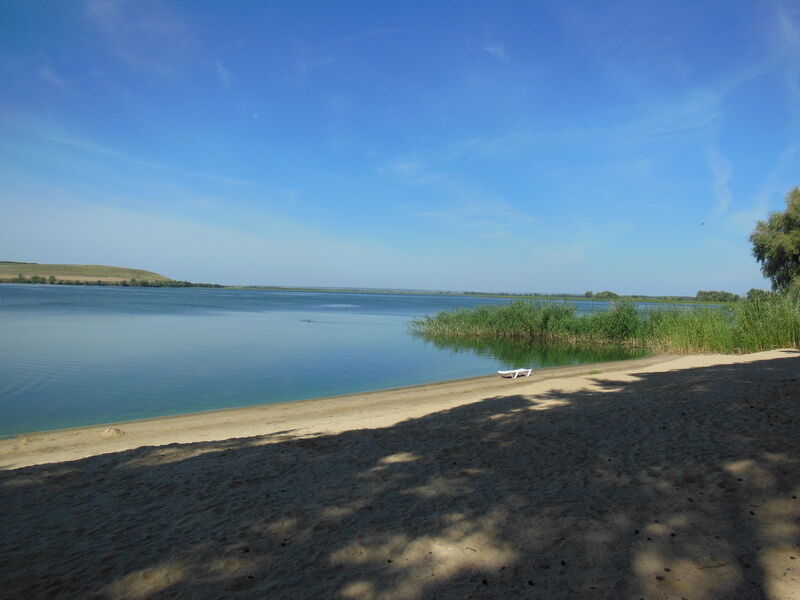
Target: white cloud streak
(784, 35)
(51, 77)
(498, 51)
(223, 74)
(371, 33)
(788, 36)
(93, 148)
(149, 37)
(304, 67)
(721, 172)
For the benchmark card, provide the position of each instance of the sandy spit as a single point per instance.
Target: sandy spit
(657, 478)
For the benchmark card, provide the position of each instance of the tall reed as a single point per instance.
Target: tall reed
(748, 326)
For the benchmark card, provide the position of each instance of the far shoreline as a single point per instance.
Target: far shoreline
(533, 296)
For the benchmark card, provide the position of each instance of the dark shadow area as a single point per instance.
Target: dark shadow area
(663, 485)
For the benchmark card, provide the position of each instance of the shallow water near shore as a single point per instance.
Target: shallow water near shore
(74, 355)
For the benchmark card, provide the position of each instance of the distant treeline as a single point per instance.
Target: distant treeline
(702, 296)
(123, 283)
(716, 296)
(604, 295)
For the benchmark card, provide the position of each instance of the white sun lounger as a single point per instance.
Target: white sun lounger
(514, 373)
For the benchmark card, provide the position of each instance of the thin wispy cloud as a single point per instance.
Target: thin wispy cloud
(489, 146)
(84, 145)
(787, 38)
(304, 67)
(51, 77)
(774, 188)
(721, 173)
(222, 179)
(99, 149)
(223, 74)
(788, 29)
(453, 201)
(147, 36)
(689, 118)
(410, 171)
(784, 37)
(486, 221)
(457, 203)
(497, 50)
(692, 118)
(374, 32)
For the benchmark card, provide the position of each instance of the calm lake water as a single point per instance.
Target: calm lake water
(75, 355)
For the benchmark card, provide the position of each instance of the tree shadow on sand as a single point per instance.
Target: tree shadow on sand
(659, 485)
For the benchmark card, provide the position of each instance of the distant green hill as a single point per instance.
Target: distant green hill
(12, 270)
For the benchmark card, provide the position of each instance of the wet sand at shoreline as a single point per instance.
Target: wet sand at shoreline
(306, 417)
(666, 477)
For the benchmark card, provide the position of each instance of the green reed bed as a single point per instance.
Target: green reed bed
(747, 326)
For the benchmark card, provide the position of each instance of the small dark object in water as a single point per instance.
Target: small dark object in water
(484, 582)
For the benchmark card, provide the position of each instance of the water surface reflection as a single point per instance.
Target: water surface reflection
(516, 353)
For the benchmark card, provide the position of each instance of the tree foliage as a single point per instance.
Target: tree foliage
(776, 243)
(716, 296)
(757, 295)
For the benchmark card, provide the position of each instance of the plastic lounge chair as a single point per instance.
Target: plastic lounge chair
(514, 373)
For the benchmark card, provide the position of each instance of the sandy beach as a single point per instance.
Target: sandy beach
(665, 477)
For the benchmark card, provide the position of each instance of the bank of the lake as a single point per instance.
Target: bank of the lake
(82, 355)
(302, 418)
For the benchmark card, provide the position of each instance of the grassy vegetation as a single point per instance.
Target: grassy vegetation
(12, 270)
(747, 326)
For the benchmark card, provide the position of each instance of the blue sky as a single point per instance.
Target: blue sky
(510, 146)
